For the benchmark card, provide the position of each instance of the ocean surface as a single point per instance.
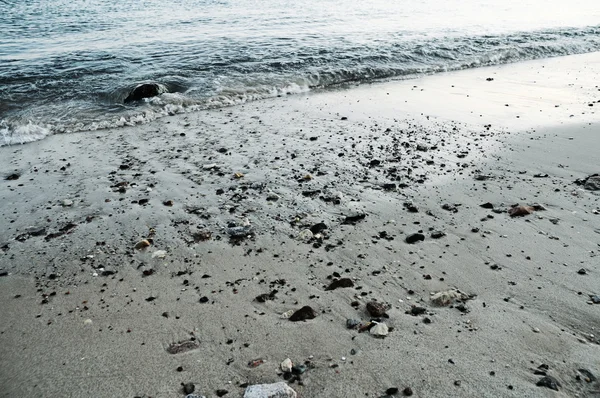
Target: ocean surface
(67, 65)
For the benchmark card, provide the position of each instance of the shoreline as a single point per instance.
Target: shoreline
(95, 316)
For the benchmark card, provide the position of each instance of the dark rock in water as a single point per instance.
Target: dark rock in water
(317, 228)
(376, 309)
(303, 314)
(438, 234)
(340, 283)
(353, 219)
(548, 382)
(145, 90)
(12, 177)
(413, 238)
(189, 388)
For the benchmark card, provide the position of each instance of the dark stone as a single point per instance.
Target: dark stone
(299, 369)
(592, 183)
(303, 314)
(548, 382)
(374, 163)
(589, 376)
(449, 207)
(340, 283)
(417, 310)
(145, 90)
(438, 234)
(407, 392)
(391, 391)
(189, 388)
(352, 323)
(317, 228)
(221, 393)
(12, 177)
(389, 187)
(595, 299)
(413, 238)
(487, 205)
(204, 299)
(353, 219)
(582, 271)
(266, 297)
(376, 309)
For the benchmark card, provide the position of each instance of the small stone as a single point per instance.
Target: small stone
(438, 234)
(520, 211)
(379, 330)
(407, 391)
(548, 382)
(417, 310)
(221, 393)
(204, 299)
(582, 271)
(67, 203)
(303, 314)
(376, 309)
(340, 283)
(189, 388)
(487, 205)
(391, 391)
(595, 299)
(352, 323)
(286, 365)
(318, 228)
(168, 203)
(12, 177)
(589, 376)
(414, 238)
(142, 244)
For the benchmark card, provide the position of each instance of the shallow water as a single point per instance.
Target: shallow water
(68, 65)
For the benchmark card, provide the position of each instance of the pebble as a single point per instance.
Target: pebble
(340, 283)
(407, 391)
(438, 234)
(376, 309)
(303, 314)
(275, 390)
(379, 330)
(189, 388)
(548, 382)
(352, 323)
(414, 238)
(67, 203)
(286, 365)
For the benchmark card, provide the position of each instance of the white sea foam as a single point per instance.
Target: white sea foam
(21, 134)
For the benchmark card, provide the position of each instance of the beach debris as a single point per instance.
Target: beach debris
(548, 382)
(67, 203)
(183, 346)
(377, 309)
(448, 297)
(286, 365)
(256, 363)
(287, 314)
(379, 330)
(414, 238)
(353, 218)
(340, 283)
(142, 244)
(159, 254)
(303, 314)
(238, 175)
(275, 390)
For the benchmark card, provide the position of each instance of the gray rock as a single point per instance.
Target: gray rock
(592, 183)
(548, 382)
(146, 90)
(275, 390)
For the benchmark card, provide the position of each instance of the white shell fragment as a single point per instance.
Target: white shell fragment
(448, 297)
(379, 330)
(286, 365)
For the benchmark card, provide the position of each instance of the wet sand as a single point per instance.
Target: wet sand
(225, 198)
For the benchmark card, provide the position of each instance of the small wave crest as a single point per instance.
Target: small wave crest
(11, 134)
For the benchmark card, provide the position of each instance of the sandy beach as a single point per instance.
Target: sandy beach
(138, 259)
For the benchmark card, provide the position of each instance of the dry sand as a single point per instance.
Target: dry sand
(84, 313)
